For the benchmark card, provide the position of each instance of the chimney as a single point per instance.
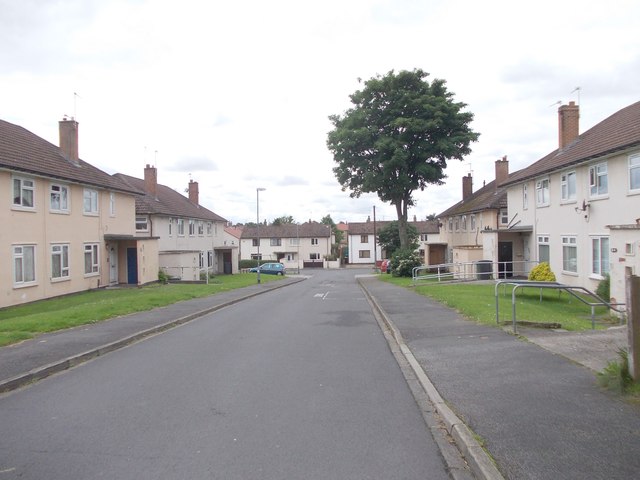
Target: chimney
(151, 180)
(69, 139)
(568, 124)
(467, 187)
(194, 194)
(502, 170)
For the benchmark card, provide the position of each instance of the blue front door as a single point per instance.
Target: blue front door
(132, 266)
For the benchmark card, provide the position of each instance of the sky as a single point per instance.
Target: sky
(237, 95)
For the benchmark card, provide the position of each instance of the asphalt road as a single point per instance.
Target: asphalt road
(295, 383)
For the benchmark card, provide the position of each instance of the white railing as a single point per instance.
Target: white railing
(479, 270)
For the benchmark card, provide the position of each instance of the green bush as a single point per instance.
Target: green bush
(604, 288)
(616, 375)
(542, 273)
(163, 277)
(248, 263)
(403, 262)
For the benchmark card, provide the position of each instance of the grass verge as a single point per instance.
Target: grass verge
(27, 321)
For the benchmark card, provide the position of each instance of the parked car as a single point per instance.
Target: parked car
(270, 269)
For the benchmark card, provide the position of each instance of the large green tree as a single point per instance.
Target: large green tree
(389, 238)
(398, 137)
(284, 220)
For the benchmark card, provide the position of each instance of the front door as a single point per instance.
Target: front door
(132, 266)
(505, 259)
(226, 263)
(113, 264)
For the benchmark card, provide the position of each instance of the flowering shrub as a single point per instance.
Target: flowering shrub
(403, 261)
(542, 273)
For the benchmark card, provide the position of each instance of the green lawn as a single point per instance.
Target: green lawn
(26, 321)
(477, 301)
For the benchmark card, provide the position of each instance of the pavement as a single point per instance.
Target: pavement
(518, 407)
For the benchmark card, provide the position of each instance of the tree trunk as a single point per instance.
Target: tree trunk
(401, 210)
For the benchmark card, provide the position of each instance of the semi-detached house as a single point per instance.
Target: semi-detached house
(67, 226)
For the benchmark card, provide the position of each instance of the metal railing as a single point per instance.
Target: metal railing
(467, 271)
(570, 289)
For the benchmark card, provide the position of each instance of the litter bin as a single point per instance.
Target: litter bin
(484, 269)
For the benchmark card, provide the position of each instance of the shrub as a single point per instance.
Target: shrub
(604, 288)
(248, 263)
(163, 277)
(542, 273)
(616, 375)
(403, 261)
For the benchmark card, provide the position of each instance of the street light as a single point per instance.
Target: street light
(258, 190)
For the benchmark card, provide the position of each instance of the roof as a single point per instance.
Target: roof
(366, 228)
(168, 202)
(23, 151)
(234, 231)
(289, 230)
(487, 198)
(617, 133)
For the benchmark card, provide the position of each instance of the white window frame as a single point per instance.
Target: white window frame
(180, 222)
(275, 242)
(568, 186)
(361, 254)
(209, 229)
(598, 180)
(210, 258)
(22, 190)
(25, 275)
(504, 216)
(463, 223)
(60, 258)
(364, 238)
(600, 256)
(200, 228)
(542, 192)
(59, 192)
(525, 196)
(472, 221)
(543, 241)
(112, 204)
(170, 226)
(91, 253)
(192, 228)
(294, 242)
(450, 224)
(314, 241)
(90, 204)
(630, 248)
(634, 173)
(316, 256)
(142, 223)
(569, 243)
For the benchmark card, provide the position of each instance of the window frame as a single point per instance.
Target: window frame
(602, 267)
(543, 240)
(60, 256)
(92, 195)
(275, 242)
(112, 204)
(364, 253)
(62, 188)
(200, 228)
(569, 242)
(472, 222)
(142, 223)
(19, 201)
(20, 256)
(565, 186)
(504, 216)
(595, 180)
(543, 192)
(364, 238)
(525, 196)
(633, 169)
(93, 249)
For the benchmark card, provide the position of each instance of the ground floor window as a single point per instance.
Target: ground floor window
(24, 264)
(364, 254)
(91, 260)
(210, 258)
(59, 261)
(314, 256)
(600, 255)
(543, 248)
(570, 254)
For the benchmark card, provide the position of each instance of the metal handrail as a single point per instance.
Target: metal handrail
(468, 270)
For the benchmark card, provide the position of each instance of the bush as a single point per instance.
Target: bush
(403, 262)
(616, 375)
(163, 277)
(542, 273)
(248, 263)
(604, 288)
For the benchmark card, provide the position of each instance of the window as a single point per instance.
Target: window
(504, 216)
(58, 198)
(112, 204)
(314, 256)
(200, 228)
(314, 241)
(294, 242)
(142, 224)
(209, 228)
(423, 237)
(364, 239)
(568, 186)
(201, 261)
(542, 192)
(192, 228)
(275, 242)
(456, 223)
(543, 248)
(255, 242)
(472, 219)
(170, 226)
(209, 258)
(181, 227)
(569, 254)
(600, 255)
(634, 172)
(364, 254)
(59, 261)
(91, 265)
(24, 265)
(450, 224)
(598, 180)
(525, 196)
(629, 249)
(23, 192)
(464, 223)
(90, 201)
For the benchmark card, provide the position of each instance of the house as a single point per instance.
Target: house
(480, 227)
(578, 207)
(190, 237)
(362, 240)
(297, 246)
(67, 226)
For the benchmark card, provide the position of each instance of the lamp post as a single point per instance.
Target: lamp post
(258, 190)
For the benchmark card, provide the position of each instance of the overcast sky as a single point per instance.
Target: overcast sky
(236, 95)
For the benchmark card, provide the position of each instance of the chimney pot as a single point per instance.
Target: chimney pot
(467, 187)
(194, 194)
(568, 124)
(69, 139)
(151, 180)
(502, 170)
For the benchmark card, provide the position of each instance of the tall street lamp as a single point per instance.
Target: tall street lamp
(258, 190)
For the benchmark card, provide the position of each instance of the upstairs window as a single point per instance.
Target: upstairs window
(598, 180)
(200, 227)
(314, 241)
(23, 192)
(364, 238)
(634, 172)
(568, 186)
(542, 192)
(192, 228)
(504, 216)
(473, 222)
(209, 228)
(58, 198)
(90, 201)
(525, 196)
(142, 224)
(112, 204)
(181, 227)
(275, 242)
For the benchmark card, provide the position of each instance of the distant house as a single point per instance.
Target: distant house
(297, 246)
(578, 207)
(190, 237)
(67, 226)
(363, 248)
(480, 226)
